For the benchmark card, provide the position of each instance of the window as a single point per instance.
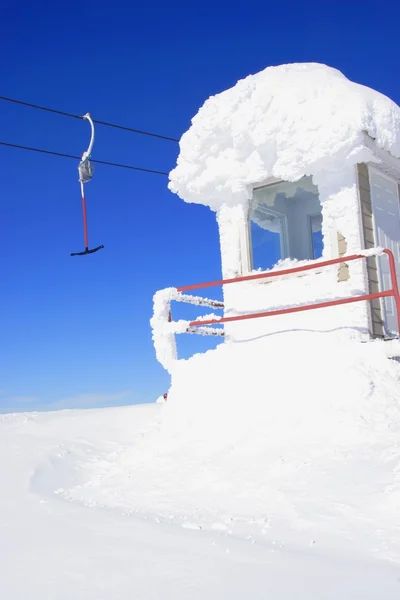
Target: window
(268, 235)
(285, 221)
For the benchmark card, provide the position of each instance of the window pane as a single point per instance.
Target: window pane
(316, 230)
(285, 221)
(267, 235)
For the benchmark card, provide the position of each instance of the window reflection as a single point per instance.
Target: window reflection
(316, 232)
(268, 237)
(285, 221)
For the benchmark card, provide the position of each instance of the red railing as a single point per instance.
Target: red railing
(394, 291)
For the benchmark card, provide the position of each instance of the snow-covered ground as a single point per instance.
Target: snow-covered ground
(135, 503)
(53, 549)
(273, 469)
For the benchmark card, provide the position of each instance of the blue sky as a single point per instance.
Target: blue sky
(75, 331)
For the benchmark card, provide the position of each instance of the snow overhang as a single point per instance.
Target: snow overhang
(284, 122)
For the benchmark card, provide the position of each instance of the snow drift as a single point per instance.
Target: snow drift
(296, 436)
(55, 549)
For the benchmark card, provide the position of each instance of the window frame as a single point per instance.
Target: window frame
(247, 255)
(284, 237)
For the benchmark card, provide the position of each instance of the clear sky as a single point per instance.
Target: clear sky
(75, 331)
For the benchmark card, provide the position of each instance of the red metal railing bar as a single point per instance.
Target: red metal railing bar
(269, 274)
(285, 311)
(394, 291)
(393, 277)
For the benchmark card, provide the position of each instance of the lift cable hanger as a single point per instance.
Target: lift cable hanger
(85, 169)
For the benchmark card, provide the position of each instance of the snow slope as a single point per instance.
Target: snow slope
(296, 436)
(53, 549)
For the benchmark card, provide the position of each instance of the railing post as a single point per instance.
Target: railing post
(395, 285)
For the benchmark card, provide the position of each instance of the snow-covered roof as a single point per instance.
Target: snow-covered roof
(284, 122)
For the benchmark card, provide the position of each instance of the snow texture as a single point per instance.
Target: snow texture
(284, 122)
(288, 444)
(57, 549)
(164, 329)
(197, 300)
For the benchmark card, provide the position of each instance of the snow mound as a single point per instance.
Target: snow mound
(284, 122)
(298, 435)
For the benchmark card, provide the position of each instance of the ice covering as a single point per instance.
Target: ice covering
(284, 122)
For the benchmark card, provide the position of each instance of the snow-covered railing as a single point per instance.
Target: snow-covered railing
(394, 291)
(164, 330)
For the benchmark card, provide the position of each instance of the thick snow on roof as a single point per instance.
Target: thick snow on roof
(283, 122)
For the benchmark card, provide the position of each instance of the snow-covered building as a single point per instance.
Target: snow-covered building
(300, 165)
(288, 433)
